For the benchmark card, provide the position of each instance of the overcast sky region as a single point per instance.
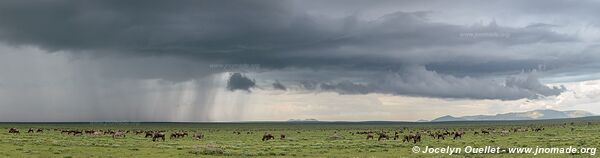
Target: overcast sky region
(273, 60)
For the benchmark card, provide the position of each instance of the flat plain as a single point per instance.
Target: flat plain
(302, 139)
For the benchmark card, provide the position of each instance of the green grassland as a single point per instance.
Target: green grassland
(303, 139)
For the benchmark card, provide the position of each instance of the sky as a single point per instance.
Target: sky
(274, 60)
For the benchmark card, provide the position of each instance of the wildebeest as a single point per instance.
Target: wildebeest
(149, 134)
(77, 132)
(282, 136)
(30, 130)
(485, 132)
(382, 135)
(396, 136)
(415, 137)
(157, 135)
(458, 134)
(198, 136)
(13, 130)
(173, 136)
(178, 135)
(267, 136)
(438, 135)
(39, 130)
(370, 136)
(97, 133)
(89, 132)
(118, 134)
(181, 134)
(504, 132)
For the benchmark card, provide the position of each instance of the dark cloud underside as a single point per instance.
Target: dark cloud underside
(453, 60)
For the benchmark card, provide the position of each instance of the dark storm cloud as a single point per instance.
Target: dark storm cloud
(278, 86)
(270, 33)
(417, 81)
(237, 81)
(279, 34)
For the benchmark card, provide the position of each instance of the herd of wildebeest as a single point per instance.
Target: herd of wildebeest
(405, 134)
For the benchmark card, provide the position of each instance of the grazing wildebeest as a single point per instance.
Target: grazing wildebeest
(382, 135)
(267, 136)
(458, 134)
(282, 136)
(438, 135)
(415, 137)
(475, 133)
(149, 134)
(370, 136)
(13, 130)
(198, 136)
(30, 130)
(485, 132)
(97, 133)
(504, 132)
(77, 132)
(178, 135)
(39, 130)
(157, 135)
(119, 134)
(181, 134)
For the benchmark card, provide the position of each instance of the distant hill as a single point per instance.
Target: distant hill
(301, 120)
(529, 115)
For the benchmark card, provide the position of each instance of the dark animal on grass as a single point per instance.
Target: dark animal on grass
(173, 136)
(89, 132)
(13, 130)
(485, 132)
(119, 134)
(39, 130)
(282, 136)
(370, 136)
(414, 137)
(267, 136)
(440, 136)
(458, 134)
(149, 134)
(383, 136)
(181, 134)
(198, 136)
(77, 132)
(158, 135)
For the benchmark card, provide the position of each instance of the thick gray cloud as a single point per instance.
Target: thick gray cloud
(237, 81)
(278, 86)
(417, 81)
(179, 40)
(273, 34)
